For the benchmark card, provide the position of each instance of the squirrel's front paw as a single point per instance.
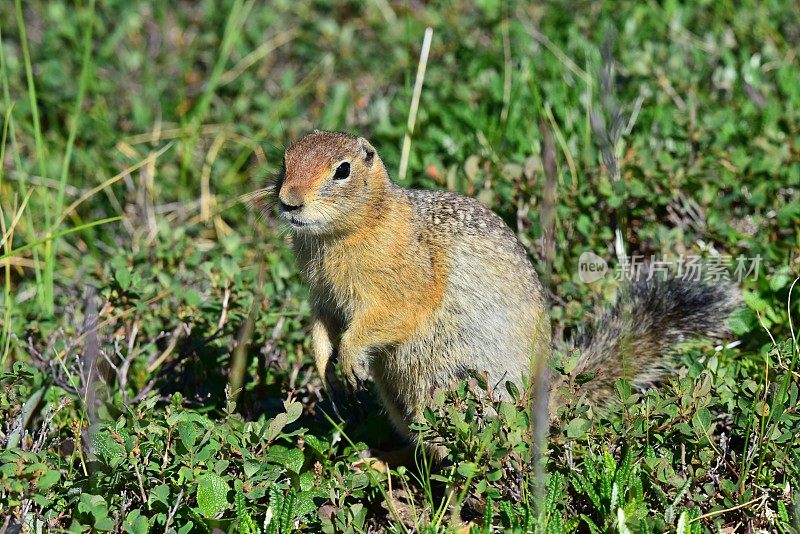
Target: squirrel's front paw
(354, 370)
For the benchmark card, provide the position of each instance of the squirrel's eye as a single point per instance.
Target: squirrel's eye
(342, 171)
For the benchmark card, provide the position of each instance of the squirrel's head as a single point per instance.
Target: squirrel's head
(330, 183)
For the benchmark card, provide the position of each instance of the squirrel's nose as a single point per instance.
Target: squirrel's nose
(290, 199)
(289, 207)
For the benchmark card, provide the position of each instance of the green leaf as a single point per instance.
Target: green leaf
(319, 446)
(513, 390)
(188, 433)
(191, 297)
(221, 466)
(306, 480)
(582, 378)
(212, 494)
(495, 475)
(780, 278)
(47, 479)
(467, 469)
(136, 523)
(293, 412)
(159, 494)
(742, 321)
(701, 421)
(123, 277)
(577, 427)
(623, 389)
(783, 513)
(304, 502)
(251, 467)
(97, 508)
(276, 426)
(106, 446)
(104, 524)
(228, 267)
(291, 459)
(509, 412)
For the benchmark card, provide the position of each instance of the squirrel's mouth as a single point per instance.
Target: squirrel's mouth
(298, 223)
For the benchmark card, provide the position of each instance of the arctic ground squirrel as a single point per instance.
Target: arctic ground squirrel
(415, 288)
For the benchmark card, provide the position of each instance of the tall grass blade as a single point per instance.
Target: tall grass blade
(57, 235)
(50, 259)
(44, 289)
(5, 335)
(8, 105)
(76, 114)
(236, 18)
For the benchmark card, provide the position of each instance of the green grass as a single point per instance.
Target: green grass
(131, 131)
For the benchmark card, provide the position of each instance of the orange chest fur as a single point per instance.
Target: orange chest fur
(367, 276)
(360, 277)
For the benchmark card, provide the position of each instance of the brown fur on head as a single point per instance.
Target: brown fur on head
(331, 183)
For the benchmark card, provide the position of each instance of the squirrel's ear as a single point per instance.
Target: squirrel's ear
(366, 150)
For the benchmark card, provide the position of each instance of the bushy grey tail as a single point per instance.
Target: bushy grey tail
(633, 339)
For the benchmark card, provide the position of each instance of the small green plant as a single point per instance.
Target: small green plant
(154, 468)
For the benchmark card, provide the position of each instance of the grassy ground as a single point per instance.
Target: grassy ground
(139, 294)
